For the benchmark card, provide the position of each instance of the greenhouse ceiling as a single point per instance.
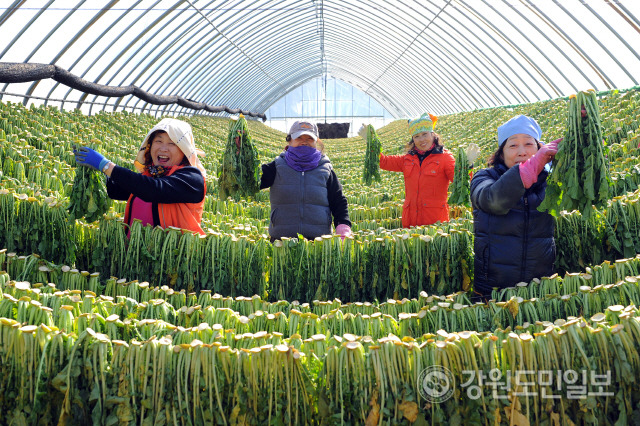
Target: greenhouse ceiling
(440, 56)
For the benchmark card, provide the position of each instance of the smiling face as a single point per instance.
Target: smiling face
(304, 140)
(518, 149)
(423, 140)
(164, 152)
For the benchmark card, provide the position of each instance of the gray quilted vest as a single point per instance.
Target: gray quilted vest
(299, 201)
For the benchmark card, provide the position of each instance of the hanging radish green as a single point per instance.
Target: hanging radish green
(88, 196)
(460, 191)
(240, 167)
(580, 178)
(372, 156)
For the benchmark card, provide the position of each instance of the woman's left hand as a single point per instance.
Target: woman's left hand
(472, 152)
(90, 158)
(343, 230)
(530, 169)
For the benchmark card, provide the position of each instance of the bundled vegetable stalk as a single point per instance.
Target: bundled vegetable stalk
(88, 196)
(372, 156)
(460, 191)
(240, 175)
(580, 178)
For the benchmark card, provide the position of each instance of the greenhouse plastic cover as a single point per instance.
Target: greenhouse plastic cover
(440, 56)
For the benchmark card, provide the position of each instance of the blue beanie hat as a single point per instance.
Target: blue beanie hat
(519, 124)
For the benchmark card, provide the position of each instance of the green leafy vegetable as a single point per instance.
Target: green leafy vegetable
(580, 177)
(88, 196)
(372, 157)
(460, 191)
(240, 174)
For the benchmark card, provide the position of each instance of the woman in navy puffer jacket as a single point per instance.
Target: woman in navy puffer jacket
(513, 240)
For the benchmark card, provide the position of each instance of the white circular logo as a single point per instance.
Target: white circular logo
(436, 383)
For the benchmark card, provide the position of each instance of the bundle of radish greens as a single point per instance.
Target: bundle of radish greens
(240, 167)
(88, 197)
(579, 179)
(372, 157)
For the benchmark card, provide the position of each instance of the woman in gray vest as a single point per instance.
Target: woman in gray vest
(305, 192)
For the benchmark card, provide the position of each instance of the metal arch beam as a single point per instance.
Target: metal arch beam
(412, 41)
(230, 58)
(87, 50)
(626, 15)
(541, 51)
(268, 53)
(605, 79)
(284, 66)
(222, 69)
(10, 11)
(235, 45)
(532, 64)
(450, 80)
(346, 11)
(451, 64)
(268, 100)
(129, 46)
(140, 70)
(505, 81)
(5, 17)
(107, 48)
(286, 69)
(482, 78)
(271, 58)
(622, 40)
(418, 88)
(489, 31)
(162, 83)
(168, 51)
(337, 57)
(83, 30)
(210, 93)
(503, 36)
(201, 54)
(527, 3)
(464, 82)
(388, 104)
(279, 54)
(43, 41)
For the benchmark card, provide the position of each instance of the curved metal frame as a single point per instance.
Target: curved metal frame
(248, 55)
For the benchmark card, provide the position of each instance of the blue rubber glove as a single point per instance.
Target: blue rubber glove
(90, 158)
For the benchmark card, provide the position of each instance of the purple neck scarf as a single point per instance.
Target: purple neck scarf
(302, 158)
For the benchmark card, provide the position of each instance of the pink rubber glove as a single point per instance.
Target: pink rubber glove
(343, 230)
(530, 169)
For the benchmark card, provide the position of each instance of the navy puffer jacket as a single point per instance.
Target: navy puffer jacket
(513, 240)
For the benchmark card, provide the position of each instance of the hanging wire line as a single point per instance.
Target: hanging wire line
(22, 73)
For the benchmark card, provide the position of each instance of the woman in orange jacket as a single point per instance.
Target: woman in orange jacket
(428, 170)
(170, 187)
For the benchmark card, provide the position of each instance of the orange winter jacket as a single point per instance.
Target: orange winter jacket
(425, 185)
(179, 215)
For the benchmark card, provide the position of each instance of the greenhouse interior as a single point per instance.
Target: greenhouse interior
(320, 212)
